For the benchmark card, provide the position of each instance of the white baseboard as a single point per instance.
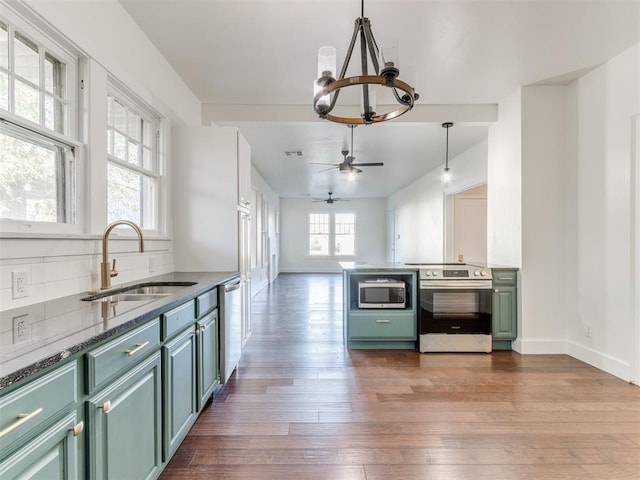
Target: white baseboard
(606, 363)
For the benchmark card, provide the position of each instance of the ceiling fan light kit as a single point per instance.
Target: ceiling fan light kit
(327, 87)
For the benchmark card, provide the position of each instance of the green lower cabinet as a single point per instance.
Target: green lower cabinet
(208, 378)
(504, 317)
(52, 455)
(179, 389)
(125, 426)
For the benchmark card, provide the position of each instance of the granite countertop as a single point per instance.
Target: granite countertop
(411, 266)
(59, 328)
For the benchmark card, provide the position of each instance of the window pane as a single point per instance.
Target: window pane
(133, 153)
(345, 244)
(28, 180)
(345, 239)
(27, 101)
(133, 126)
(147, 160)
(4, 46)
(318, 244)
(119, 146)
(54, 75)
(147, 133)
(26, 59)
(131, 196)
(4, 91)
(124, 191)
(118, 119)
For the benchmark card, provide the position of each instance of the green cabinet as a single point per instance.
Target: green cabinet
(124, 420)
(179, 386)
(208, 375)
(380, 328)
(505, 308)
(52, 455)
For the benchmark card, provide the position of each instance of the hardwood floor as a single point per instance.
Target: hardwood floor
(301, 406)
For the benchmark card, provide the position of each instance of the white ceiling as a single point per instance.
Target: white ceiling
(254, 62)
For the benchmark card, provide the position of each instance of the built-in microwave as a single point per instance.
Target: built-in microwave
(382, 293)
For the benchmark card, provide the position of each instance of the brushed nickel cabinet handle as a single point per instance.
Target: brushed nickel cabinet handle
(139, 346)
(382, 321)
(77, 429)
(22, 419)
(497, 291)
(505, 278)
(106, 406)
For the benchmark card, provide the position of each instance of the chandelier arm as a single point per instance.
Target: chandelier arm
(398, 97)
(347, 58)
(373, 46)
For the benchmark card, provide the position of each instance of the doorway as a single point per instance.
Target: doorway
(466, 226)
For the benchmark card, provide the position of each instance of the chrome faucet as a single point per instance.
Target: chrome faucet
(106, 271)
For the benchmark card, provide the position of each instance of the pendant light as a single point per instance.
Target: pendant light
(384, 73)
(446, 175)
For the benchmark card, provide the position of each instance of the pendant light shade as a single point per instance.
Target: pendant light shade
(446, 174)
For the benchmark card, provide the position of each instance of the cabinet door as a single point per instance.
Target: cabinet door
(504, 317)
(208, 376)
(125, 425)
(179, 369)
(52, 455)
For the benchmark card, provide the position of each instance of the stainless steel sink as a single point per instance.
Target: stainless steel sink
(142, 292)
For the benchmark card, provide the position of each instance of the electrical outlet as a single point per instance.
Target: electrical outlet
(19, 284)
(152, 264)
(21, 328)
(587, 330)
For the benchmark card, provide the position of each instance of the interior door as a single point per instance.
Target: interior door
(391, 236)
(470, 226)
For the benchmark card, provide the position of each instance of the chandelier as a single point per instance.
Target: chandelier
(327, 88)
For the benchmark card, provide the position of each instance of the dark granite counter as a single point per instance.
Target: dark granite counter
(38, 336)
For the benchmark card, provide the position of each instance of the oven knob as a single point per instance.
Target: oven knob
(476, 273)
(435, 273)
(428, 273)
(483, 273)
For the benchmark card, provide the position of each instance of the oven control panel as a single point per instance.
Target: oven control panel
(446, 272)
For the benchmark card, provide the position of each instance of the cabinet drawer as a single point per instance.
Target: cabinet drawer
(207, 302)
(505, 277)
(25, 410)
(175, 320)
(382, 326)
(121, 354)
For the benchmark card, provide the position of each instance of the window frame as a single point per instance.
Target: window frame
(332, 234)
(118, 92)
(37, 133)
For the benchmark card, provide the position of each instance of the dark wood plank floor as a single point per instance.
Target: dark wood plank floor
(302, 406)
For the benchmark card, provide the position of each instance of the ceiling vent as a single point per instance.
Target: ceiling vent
(293, 153)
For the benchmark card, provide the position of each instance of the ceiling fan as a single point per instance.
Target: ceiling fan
(347, 165)
(330, 199)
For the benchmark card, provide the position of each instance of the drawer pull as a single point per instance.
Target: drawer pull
(505, 278)
(139, 346)
(382, 321)
(106, 406)
(77, 429)
(497, 291)
(22, 419)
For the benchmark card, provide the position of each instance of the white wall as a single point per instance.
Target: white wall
(504, 231)
(419, 208)
(65, 265)
(601, 244)
(370, 238)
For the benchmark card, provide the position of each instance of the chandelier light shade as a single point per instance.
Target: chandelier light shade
(446, 175)
(383, 73)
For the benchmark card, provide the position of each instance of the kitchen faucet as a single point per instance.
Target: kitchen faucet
(106, 272)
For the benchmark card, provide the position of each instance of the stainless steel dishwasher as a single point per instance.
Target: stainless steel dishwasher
(230, 328)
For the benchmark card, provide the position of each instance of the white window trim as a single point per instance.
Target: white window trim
(332, 234)
(29, 24)
(117, 89)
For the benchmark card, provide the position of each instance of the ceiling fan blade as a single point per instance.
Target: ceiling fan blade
(316, 163)
(375, 164)
(326, 169)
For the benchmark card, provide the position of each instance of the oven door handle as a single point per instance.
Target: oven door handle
(455, 285)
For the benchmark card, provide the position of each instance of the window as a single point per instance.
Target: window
(132, 176)
(332, 234)
(37, 151)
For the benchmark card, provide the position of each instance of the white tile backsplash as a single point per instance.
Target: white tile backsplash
(76, 266)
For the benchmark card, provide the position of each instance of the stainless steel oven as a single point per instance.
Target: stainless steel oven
(454, 308)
